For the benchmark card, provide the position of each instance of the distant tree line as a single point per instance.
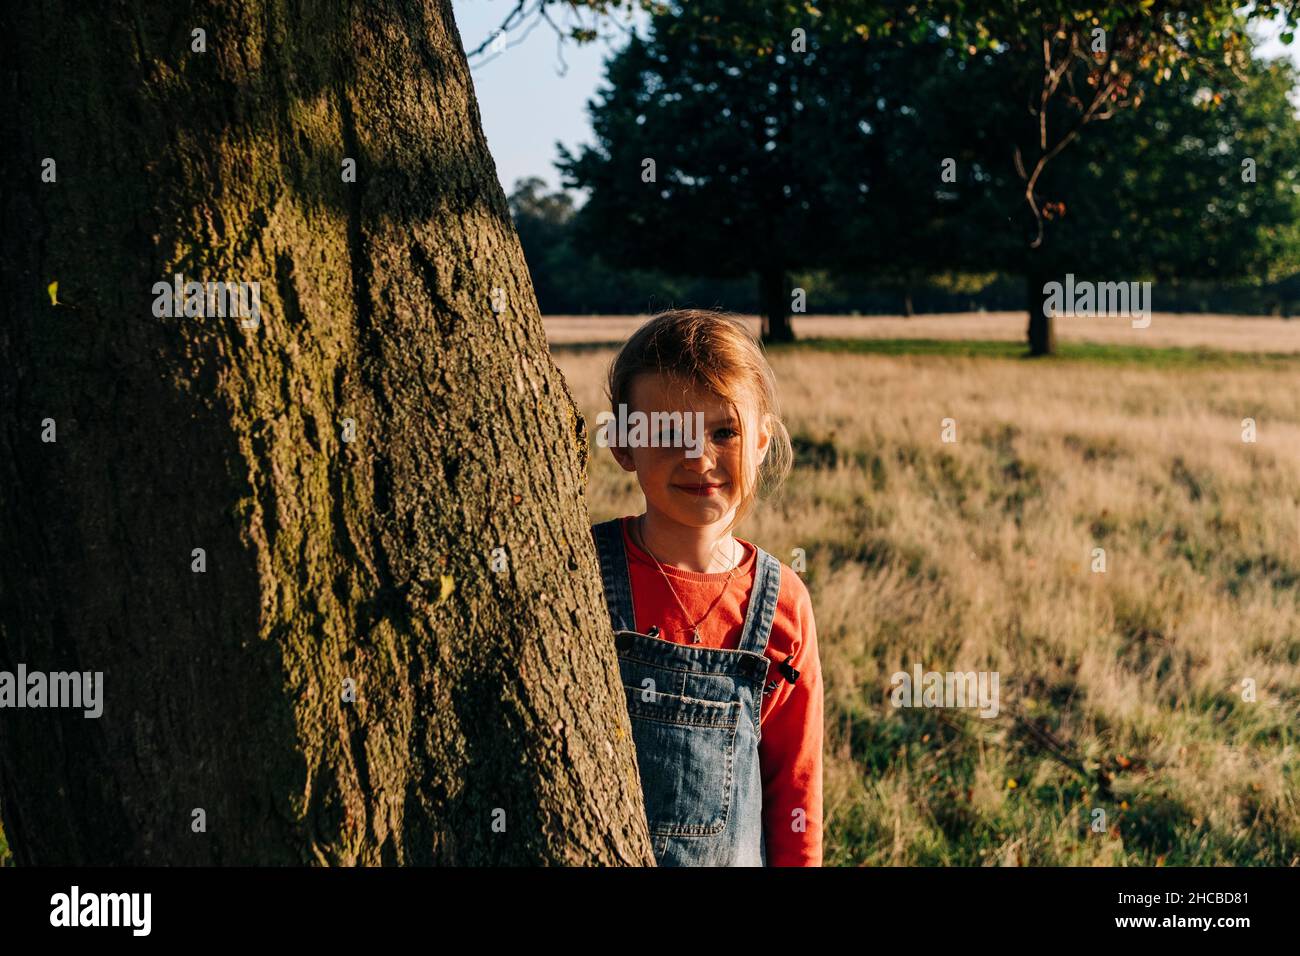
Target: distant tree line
(891, 171)
(571, 282)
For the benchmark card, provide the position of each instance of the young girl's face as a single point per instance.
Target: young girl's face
(693, 491)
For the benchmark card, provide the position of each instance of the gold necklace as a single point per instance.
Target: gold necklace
(695, 628)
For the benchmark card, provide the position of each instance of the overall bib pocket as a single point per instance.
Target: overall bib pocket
(685, 748)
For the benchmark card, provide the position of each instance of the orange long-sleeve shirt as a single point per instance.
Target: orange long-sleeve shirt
(790, 751)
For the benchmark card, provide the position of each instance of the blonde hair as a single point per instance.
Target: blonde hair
(715, 351)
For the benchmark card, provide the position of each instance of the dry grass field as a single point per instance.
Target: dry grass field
(1122, 690)
(1229, 333)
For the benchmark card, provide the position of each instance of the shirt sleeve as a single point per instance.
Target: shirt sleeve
(790, 756)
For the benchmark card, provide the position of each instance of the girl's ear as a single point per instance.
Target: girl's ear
(764, 438)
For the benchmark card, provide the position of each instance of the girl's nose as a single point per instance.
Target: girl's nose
(706, 461)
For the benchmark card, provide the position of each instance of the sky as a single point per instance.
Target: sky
(535, 92)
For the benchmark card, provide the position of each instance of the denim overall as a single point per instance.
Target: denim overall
(695, 721)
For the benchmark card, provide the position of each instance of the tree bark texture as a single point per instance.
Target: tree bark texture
(489, 725)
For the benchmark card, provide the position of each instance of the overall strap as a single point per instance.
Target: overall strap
(762, 603)
(614, 573)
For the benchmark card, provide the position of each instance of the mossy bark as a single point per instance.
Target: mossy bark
(488, 725)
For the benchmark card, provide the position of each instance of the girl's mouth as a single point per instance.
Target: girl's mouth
(703, 491)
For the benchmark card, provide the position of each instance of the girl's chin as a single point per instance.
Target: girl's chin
(699, 509)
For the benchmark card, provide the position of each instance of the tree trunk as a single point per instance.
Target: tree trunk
(488, 724)
(774, 297)
(1042, 330)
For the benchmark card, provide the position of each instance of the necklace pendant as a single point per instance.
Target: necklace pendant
(695, 636)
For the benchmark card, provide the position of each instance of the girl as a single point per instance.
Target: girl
(716, 642)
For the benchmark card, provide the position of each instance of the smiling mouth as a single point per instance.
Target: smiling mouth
(702, 490)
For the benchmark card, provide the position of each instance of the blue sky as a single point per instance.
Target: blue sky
(525, 102)
(534, 93)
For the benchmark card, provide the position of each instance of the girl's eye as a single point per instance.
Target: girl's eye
(725, 434)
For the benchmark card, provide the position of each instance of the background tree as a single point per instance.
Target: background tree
(569, 280)
(753, 147)
(927, 194)
(1092, 63)
(542, 221)
(396, 311)
(1203, 181)
(724, 97)
(1157, 192)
